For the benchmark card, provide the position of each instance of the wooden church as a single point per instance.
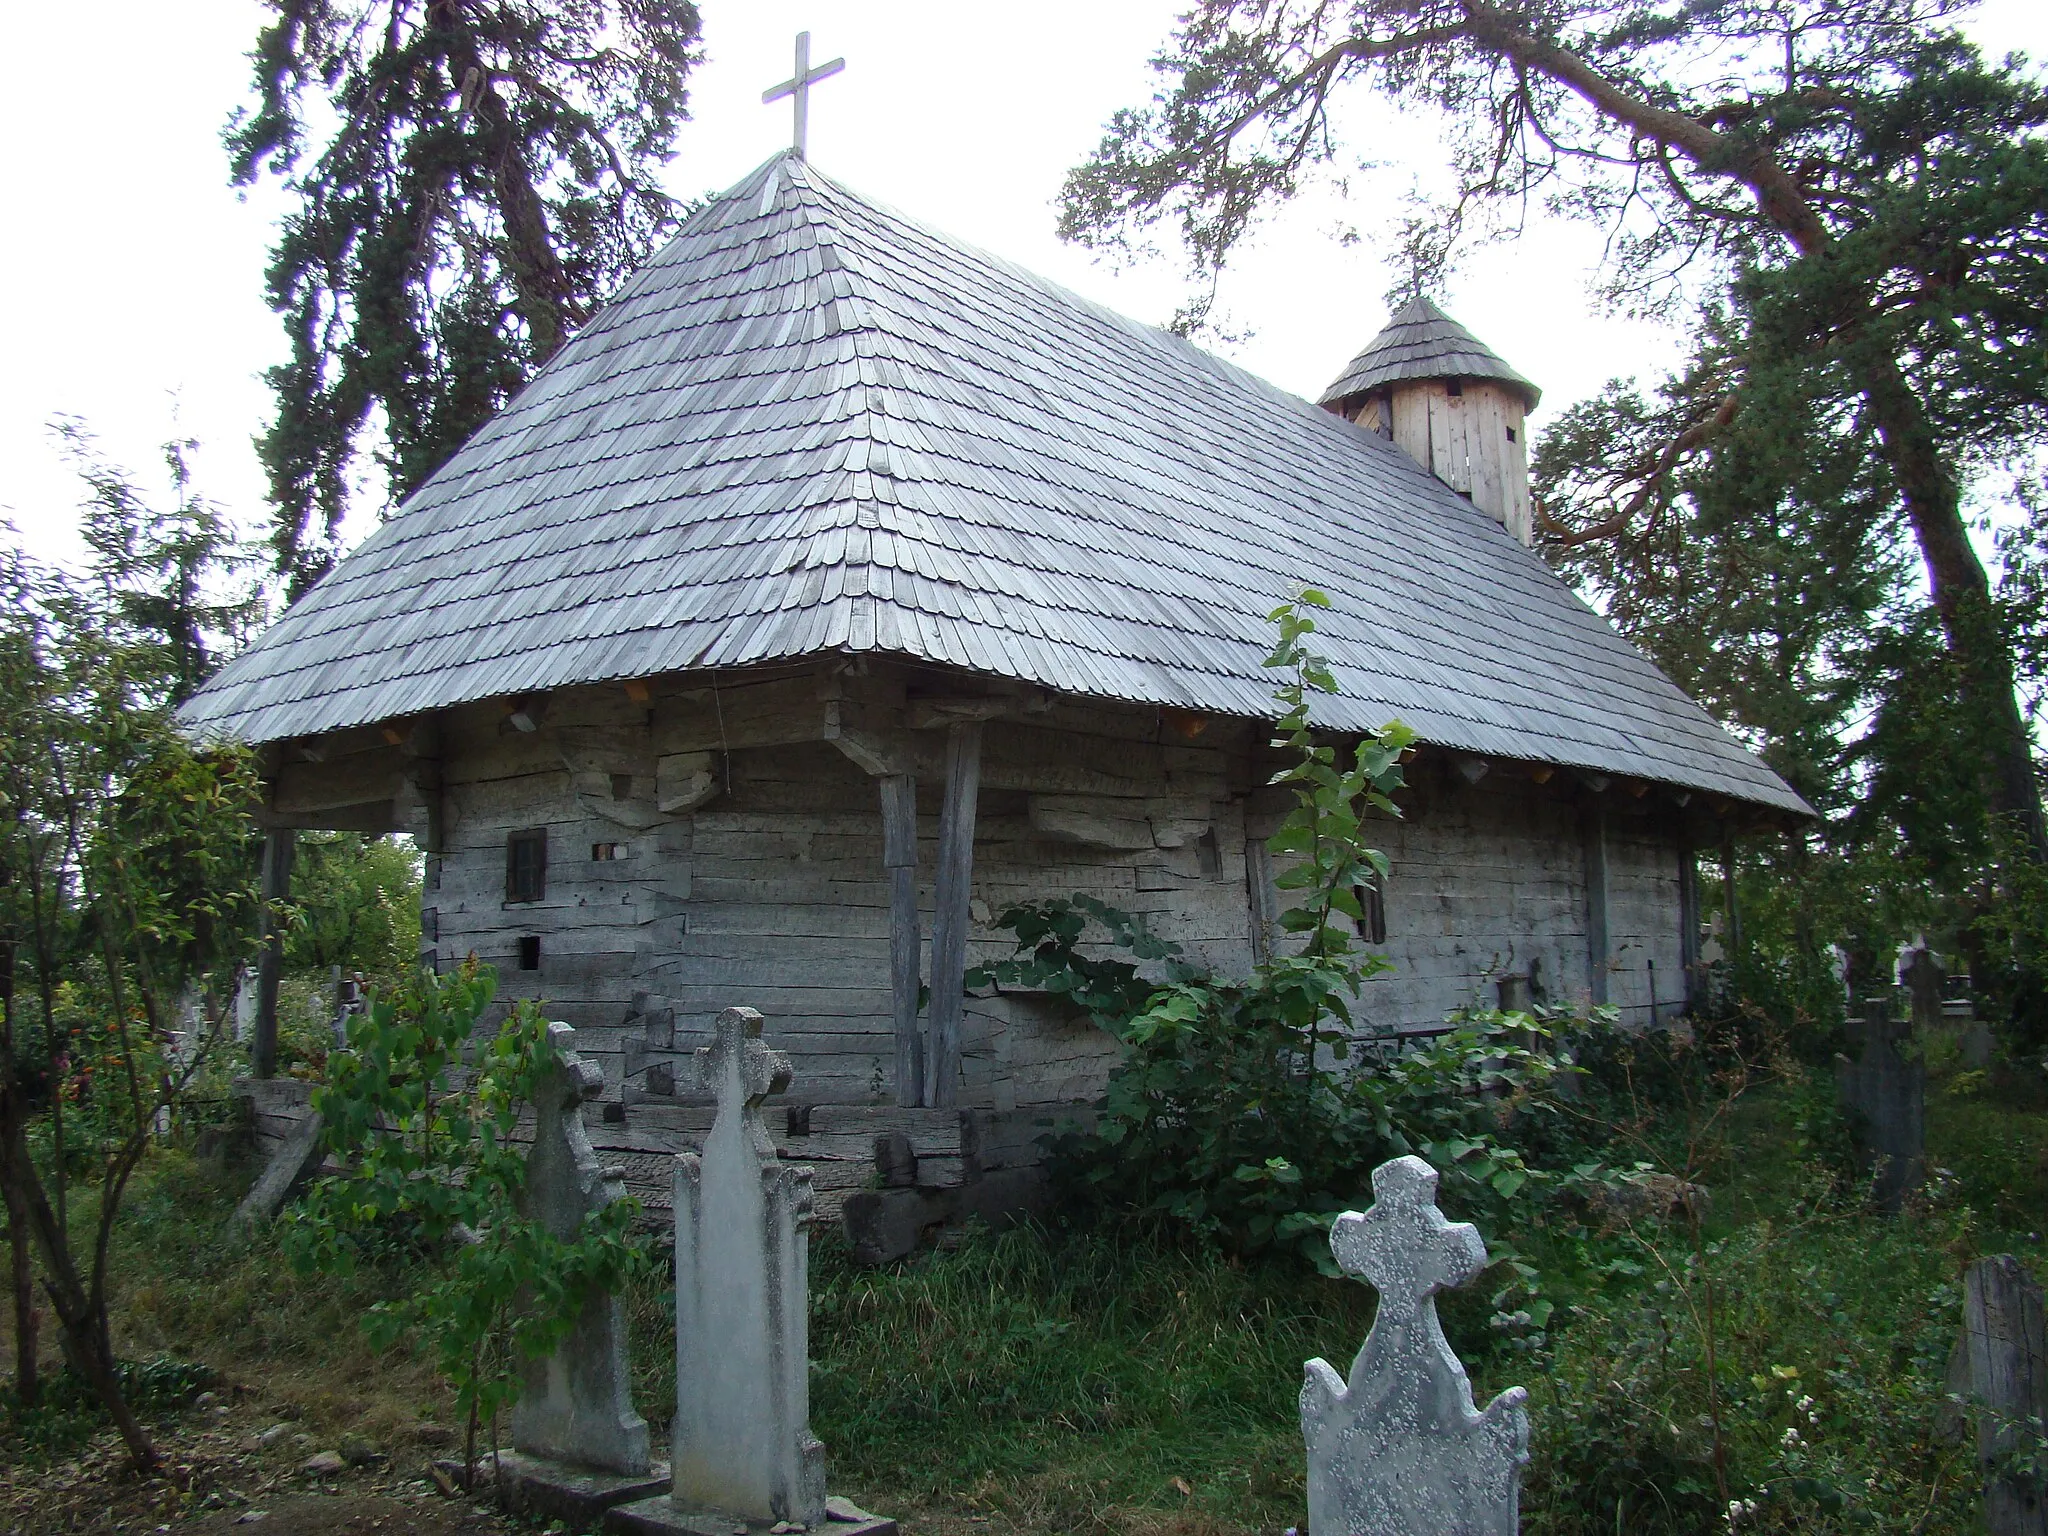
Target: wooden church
(840, 585)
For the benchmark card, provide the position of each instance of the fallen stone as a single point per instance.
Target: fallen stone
(433, 1436)
(536, 1485)
(325, 1464)
(845, 1511)
(206, 1400)
(296, 1160)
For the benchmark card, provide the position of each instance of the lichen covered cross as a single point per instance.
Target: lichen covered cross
(741, 1072)
(1398, 1448)
(1404, 1245)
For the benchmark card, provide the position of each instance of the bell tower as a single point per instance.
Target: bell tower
(1451, 403)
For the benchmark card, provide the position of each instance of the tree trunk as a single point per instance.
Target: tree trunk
(27, 1383)
(1962, 596)
(81, 1314)
(1961, 591)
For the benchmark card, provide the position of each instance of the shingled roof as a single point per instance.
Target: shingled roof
(1422, 342)
(811, 426)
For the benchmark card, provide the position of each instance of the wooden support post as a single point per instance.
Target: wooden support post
(899, 858)
(1732, 911)
(2003, 1365)
(1597, 942)
(949, 924)
(1688, 924)
(278, 846)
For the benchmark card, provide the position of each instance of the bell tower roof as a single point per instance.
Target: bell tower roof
(1422, 342)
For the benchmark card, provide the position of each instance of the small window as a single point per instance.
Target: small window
(622, 786)
(529, 952)
(604, 853)
(1511, 434)
(526, 865)
(1372, 902)
(1455, 388)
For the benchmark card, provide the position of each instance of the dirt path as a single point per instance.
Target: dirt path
(423, 1514)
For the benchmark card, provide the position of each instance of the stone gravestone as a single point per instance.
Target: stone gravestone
(1922, 974)
(1886, 1089)
(578, 1446)
(742, 1451)
(1400, 1449)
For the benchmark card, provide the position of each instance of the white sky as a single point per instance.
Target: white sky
(134, 275)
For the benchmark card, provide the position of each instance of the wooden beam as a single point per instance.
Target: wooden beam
(278, 846)
(1688, 920)
(949, 925)
(1597, 941)
(899, 859)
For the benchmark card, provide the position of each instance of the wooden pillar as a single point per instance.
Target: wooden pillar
(1688, 922)
(2003, 1367)
(278, 846)
(899, 858)
(949, 924)
(1732, 911)
(1597, 942)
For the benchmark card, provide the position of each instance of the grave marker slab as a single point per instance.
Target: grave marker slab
(1886, 1088)
(578, 1446)
(1399, 1449)
(742, 1451)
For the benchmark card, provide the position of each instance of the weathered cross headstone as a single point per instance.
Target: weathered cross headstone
(1922, 974)
(1886, 1089)
(1400, 1449)
(578, 1446)
(2001, 1369)
(742, 1451)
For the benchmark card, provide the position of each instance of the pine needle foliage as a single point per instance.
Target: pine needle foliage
(469, 179)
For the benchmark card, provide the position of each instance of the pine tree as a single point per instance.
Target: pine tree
(471, 178)
(1863, 195)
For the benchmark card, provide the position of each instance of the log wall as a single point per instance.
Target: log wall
(712, 846)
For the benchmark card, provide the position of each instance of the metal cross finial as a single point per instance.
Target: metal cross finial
(799, 86)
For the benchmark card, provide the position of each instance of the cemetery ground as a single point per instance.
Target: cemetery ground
(1048, 1382)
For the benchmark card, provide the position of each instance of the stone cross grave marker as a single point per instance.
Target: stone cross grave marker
(575, 1406)
(1399, 1449)
(742, 1451)
(1886, 1088)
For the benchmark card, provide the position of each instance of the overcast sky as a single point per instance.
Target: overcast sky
(134, 275)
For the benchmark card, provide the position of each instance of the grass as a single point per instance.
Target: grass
(1056, 1382)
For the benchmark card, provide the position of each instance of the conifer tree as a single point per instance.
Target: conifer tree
(1863, 196)
(470, 179)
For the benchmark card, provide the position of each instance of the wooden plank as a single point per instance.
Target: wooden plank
(2003, 1368)
(1597, 943)
(1486, 446)
(1411, 419)
(1516, 511)
(953, 889)
(899, 859)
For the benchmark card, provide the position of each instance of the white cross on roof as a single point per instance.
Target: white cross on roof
(799, 86)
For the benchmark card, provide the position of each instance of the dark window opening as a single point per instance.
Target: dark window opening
(529, 952)
(1208, 857)
(1455, 388)
(1511, 434)
(526, 865)
(622, 786)
(604, 853)
(1372, 902)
